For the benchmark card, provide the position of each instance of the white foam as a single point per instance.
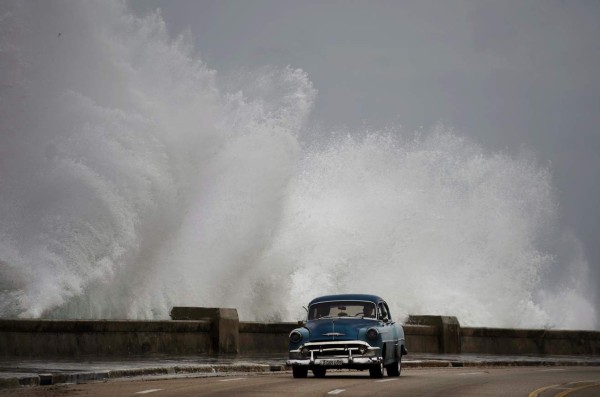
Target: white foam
(132, 181)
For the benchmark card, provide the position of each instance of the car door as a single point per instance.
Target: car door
(387, 331)
(395, 334)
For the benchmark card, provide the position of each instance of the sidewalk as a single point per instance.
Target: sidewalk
(33, 372)
(475, 360)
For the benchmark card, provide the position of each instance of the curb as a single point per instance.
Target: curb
(18, 381)
(47, 379)
(497, 363)
(427, 364)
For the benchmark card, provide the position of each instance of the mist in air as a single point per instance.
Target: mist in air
(132, 179)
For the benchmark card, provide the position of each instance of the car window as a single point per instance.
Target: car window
(355, 309)
(384, 315)
(387, 309)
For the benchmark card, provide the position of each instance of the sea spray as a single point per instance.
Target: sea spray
(134, 178)
(130, 183)
(434, 221)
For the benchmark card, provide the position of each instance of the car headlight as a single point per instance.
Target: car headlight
(295, 336)
(372, 334)
(305, 352)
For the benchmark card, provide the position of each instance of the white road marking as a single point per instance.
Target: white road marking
(229, 380)
(337, 391)
(472, 373)
(385, 380)
(552, 370)
(148, 391)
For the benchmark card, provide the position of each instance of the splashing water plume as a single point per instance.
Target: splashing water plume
(132, 181)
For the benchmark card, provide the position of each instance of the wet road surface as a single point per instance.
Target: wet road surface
(498, 381)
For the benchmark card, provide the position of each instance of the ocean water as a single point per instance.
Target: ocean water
(134, 178)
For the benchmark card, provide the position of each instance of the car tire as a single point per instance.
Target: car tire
(299, 372)
(376, 371)
(394, 368)
(319, 372)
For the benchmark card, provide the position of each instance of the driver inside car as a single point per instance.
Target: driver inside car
(368, 311)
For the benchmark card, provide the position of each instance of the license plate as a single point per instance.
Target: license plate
(332, 362)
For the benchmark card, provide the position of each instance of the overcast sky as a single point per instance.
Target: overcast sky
(511, 75)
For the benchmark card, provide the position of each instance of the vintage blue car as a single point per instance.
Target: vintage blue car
(347, 331)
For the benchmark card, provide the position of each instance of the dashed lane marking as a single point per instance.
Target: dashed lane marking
(230, 380)
(337, 391)
(148, 391)
(385, 380)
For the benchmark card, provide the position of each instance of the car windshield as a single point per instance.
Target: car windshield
(342, 309)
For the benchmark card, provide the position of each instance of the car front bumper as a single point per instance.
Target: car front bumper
(335, 362)
(336, 354)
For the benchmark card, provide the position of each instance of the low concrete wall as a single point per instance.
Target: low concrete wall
(224, 330)
(215, 331)
(52, 338)
(528, 341)
(257, 337)
(447, 331)
(421, 339)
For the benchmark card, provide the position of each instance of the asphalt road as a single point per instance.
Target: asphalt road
(447, 382)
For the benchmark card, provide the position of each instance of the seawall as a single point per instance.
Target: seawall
(218, 331)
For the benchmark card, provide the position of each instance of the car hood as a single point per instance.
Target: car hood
(338, 328)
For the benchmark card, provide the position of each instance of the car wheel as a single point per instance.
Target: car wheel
(299, 372)
(319, 372)
(376, 371)
(394, 368)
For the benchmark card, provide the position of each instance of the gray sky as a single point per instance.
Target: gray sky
(512, 75)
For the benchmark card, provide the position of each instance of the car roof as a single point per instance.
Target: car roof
(347, 297)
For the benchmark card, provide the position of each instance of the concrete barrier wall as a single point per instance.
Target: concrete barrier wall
(421, 339)
(527, 341)
(446, 330)
(257, 337)
(220, 331)
(224, 325)
(70, 338)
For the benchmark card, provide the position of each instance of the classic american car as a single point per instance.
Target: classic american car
(347, 331)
